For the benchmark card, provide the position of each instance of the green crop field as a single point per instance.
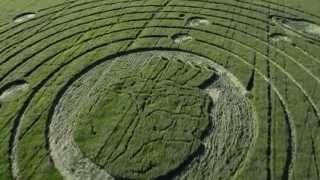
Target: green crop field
(160, 89)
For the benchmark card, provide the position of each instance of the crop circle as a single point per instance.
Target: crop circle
(173, 101)
(241, 101)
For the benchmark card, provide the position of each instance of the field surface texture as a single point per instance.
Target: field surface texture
(160, 89)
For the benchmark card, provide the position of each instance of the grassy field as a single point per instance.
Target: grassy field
(160, 89)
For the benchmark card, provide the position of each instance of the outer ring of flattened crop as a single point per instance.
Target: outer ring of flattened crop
(69, 159)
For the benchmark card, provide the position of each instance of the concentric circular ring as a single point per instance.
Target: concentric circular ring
(260, 43)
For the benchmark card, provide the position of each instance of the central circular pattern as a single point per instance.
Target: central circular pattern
(148, 117)
(152, 115)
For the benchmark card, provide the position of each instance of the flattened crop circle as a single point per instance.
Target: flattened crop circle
(152, 115)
